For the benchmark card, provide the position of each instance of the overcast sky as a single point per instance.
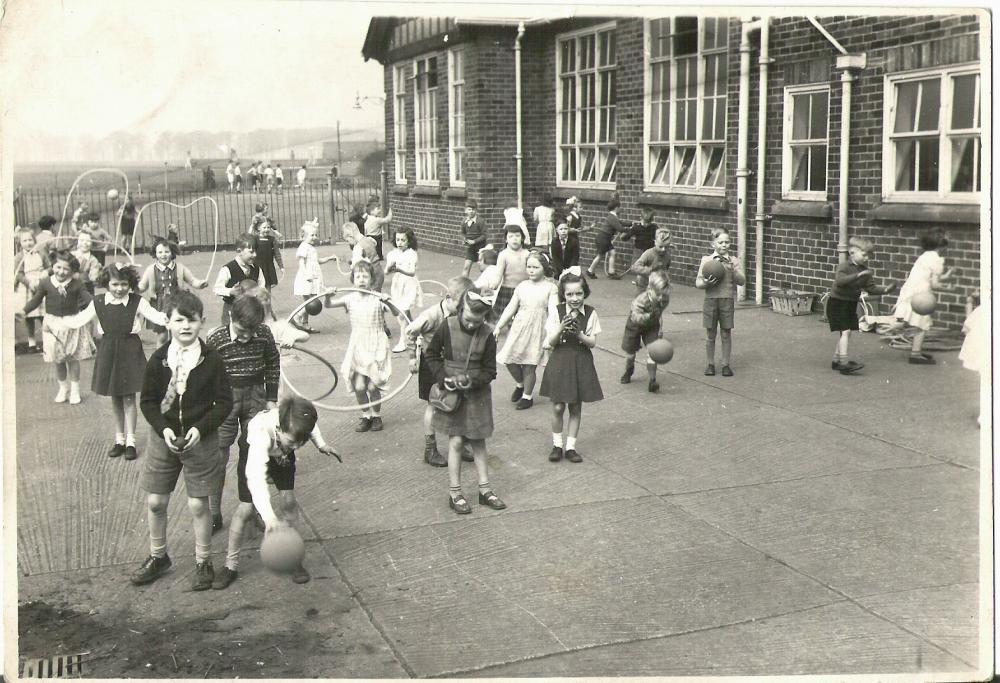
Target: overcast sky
(89, 66)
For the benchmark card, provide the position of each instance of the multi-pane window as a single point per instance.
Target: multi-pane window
(803, 169)
(586, 103)
(456, 116)
(933, 147)
(685, 122)
(399, 120)
(425, 117)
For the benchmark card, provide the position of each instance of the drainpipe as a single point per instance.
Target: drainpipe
(518, 156)
(742, 171)
(764, 62)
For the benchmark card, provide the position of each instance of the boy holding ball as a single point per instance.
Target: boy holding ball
(642, 327)
(719, 274)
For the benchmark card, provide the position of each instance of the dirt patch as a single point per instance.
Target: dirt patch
(123, 646)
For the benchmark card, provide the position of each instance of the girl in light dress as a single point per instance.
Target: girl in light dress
(32, 266)
(526, 314)
(927, 276)
(368, 360)
(545, 223)
(405, 290)
(309, 276)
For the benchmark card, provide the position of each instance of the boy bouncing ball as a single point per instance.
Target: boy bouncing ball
(923, 303)
(314, 307)
(661, 351)
(714, 269)
(282, 550)
(112, 194)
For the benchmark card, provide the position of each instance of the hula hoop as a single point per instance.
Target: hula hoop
(76, 183)
(349, 409)
(329, 366)
(215, 247)
(442, 285)
(104, 242)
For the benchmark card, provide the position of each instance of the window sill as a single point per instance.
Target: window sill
(583, 193)
(455, 193)
(426, 190)
(688, 201)
(926, 213)
(400, 189)
(803, 208)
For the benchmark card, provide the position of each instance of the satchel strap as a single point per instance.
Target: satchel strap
(453, 326)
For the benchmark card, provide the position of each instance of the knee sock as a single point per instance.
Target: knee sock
(727, 348)
(455, 492)
(651, 370)
(570, 443)
(557, 440)
(120, 438)
(158, 546)
(129, 440)
(202, 553)
(484, 486)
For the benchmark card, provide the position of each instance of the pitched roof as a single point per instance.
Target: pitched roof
(377, 38)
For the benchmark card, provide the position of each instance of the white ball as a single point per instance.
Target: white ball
(112, 194)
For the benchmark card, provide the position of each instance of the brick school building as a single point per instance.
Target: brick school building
(665, 114)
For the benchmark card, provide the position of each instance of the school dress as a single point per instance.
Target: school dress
(307, 270)
(164, 283)
(368, 351)
(61, 343)
(268, 253)
(120, 362)
(570, 376)
(446, 356)
(928, 264)
(405, 289)
(976, 346)
(523, 345)
(544, 217)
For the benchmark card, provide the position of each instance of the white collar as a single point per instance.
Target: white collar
(190, 355)
(110, 300)
(161, 267)
(232, 333)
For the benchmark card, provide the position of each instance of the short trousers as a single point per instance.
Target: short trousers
(425, 380)
(283, 476)
(602, 242)
(842, 315)
(202, 467)
(721, 312)
(636, 337)
(472, 252)
(247, 402)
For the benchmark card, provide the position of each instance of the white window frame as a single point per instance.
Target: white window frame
(399, 78)
(945, 135)
(427, 125)
(456, 119)
(787, 176)
(702, 145)
(596, 145)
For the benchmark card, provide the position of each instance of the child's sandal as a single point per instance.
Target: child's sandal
(459, 505)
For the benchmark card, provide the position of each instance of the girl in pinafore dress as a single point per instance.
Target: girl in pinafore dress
(405, 290)
(268, 251)
(32, 266)
(309, 276)
(528, 308)
(368, 360)
(164, 278)
(472, 422)
(570, 377)
(64, 296)
(510, 267)
(120, 363)
(927, 276)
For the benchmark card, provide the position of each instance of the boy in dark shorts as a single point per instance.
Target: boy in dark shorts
(852, 276)
(185, 397)
(473, 236)
(253, 364)
(642, 327)
(273, 437)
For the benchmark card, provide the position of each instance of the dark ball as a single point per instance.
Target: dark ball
(314, 307)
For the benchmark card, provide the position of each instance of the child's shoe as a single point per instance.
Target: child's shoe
(573, 456)
(727, 371)
(204, 575)
(74, 393)
(400, 347)
(364, 425)
(152, 569)
(225, 577)
(556, 454)
(459, 504)
(653, 387)
(130, 453)
(492, 500)
(592, 275)
(710, 370)
(849, 367)
(922, 359)
(116, 450)
(63, 392)
(300, 575)
(377, 425)
(516, 396)
(525, 403)
(627, 375)
(432, 456)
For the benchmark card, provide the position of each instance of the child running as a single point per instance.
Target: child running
(852, 276)
(64, 344)
(418, 336)
(643, 236)
(405, 290)
(368, 360)
(473, 236)
(526, 314)
(643, 326)
(570, 378)
(243, 267)
(253, 364)
(185, 397)
(462, 357)
(309, 276)
(164, 278)
(32, 266)
(510, 267)
(273, 437)
(720, 300)
(604, 242)
(927, 276)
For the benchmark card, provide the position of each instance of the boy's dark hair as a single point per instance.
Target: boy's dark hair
(511, 227)
(185, 303)
(297, 417)
(570, 278)
(411, 238)
(247, 312)
(613, 204)
(934, 238)
(93, 216)
(647, 215)
(472, 204)
(46, 222)
(119, 271)
(67, 256)
(174, 249)
(245, 241)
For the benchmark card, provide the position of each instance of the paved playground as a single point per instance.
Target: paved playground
(788, 520)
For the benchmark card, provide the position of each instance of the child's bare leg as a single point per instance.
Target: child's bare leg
(516, 372)
(573, 426)
(455, 446)
(466, 268)
(62, 371)
(842, 345)
(610, 267)
(528, 374)
(558, 412)
(202, 525)
(131, 418)
(118, 409)
(651, 371)
(30, 324)
(156, 517)
(73, 370)
(594, 263)
(289, 507)
(727, 346)
(629, 369)
(482, 465)
(243, 514)
(710, 333)
(918, 342)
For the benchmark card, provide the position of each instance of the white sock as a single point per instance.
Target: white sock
(202, 553)
(120, 438)
(527, 396)
(557, 440)
(32, 343)
(570, 443)
(158, 546)
(519, 386)
(129, 440)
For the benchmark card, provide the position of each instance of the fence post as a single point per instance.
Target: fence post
(333, 205)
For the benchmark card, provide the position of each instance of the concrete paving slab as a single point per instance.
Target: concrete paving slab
(839, 639)
(860, 533)
(557, 580)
